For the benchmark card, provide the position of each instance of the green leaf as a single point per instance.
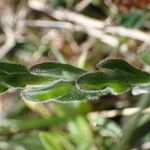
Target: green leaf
(102, 82)
(79, 129)
(119, 64)
(135, 126)
(3, 88)
(62, 82)
(118, 77)
(15, 75)
(134, 19)
(145, 56)
(9, 126)
(50, 141)
(27, 79)
(9, 68)
(63, 71)
(62, 91)
(23, 141)
(108, 128)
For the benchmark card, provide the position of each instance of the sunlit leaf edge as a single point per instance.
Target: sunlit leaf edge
(73, 95)
(115, 67)
(56, 69)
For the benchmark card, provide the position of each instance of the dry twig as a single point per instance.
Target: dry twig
(9, 20)
(115, 112)
(108, 39)
(95, 26)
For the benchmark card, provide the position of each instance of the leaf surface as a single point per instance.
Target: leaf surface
(118, 77)
(9, 68)
(23, 80)
(63, 71)
(62, 91)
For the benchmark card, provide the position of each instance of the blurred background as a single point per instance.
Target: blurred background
(81, 33)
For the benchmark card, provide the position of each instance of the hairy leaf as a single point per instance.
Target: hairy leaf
(63, 71)
(62, 82)
(23, 80)
(15, 75)
(119, 64)
(9, 68)
(62, 91)
(119, 77)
